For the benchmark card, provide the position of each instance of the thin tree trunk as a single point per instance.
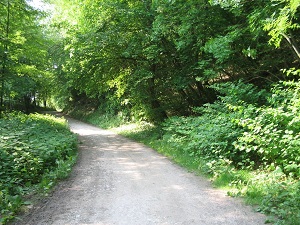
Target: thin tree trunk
(160, 114)
(4, 66)
(293, 45)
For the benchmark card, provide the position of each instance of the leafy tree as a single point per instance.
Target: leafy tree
(23, 53)
(153, 59)
(278, 18)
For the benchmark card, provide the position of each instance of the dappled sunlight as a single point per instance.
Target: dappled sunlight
(85, 132)
(132, 126)
(87, 129)
(177, 187)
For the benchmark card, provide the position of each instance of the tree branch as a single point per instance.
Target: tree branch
(292, 44)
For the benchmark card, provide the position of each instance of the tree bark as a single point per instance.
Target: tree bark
(293, 45)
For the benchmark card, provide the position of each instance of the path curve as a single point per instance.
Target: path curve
(120, 182)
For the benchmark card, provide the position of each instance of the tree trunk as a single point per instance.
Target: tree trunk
(2, 91)
(293, 45)
(4, 66)
(27, 102)
(158, 113)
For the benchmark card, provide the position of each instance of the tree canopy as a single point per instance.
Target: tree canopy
(154, 59)
(146, 59)
(23, 54)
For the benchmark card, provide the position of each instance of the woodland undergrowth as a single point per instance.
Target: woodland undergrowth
(35, 150)
(246, 142)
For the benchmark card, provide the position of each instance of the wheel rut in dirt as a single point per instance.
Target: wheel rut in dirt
(117, 181)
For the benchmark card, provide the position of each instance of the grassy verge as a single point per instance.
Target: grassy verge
(36, 151)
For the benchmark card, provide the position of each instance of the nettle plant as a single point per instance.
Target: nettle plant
(210, 134)
(250, 128)
(272, 136)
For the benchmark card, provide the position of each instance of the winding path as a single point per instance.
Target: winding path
(120, 182)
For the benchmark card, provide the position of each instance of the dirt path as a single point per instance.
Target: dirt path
(118, 181)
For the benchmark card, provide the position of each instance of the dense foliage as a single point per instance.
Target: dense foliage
(36, 150)
(145, 59)
(155, 59)
(236, 129)
(24, 51)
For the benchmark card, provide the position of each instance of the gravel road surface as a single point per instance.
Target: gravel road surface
(120, 182)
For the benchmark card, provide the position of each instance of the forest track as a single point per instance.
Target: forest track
(120, 182)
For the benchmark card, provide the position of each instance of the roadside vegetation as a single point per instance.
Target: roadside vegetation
(246, 142)
(36, 151)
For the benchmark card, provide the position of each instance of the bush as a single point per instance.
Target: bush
(211, 134)
(273, 135)
(237, 128)
(32, 148)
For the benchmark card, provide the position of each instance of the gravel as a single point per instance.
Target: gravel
(117, 181)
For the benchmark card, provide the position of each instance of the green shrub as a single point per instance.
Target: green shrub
(273, 135)
(211, 134)
(238, 129)
(31, 147)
